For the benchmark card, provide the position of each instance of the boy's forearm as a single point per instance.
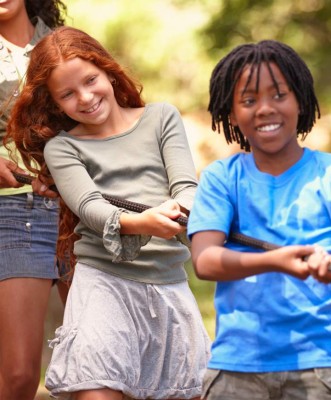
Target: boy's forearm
(217, 263)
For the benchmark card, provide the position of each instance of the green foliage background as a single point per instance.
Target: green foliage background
(157, 40)
(171, 46)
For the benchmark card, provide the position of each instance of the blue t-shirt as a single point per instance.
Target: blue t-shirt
(272, 321)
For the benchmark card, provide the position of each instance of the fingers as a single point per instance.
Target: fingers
(7, 179)
(172, 210)
(305, 261)
(15, 168)
(319, 264)
(160, 222)
(40, 188)
(170, 205)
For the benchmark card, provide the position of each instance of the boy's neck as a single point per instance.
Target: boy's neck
(276, 164)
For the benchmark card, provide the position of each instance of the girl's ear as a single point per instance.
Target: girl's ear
(112, 79)
(56, 105)
(55, 108)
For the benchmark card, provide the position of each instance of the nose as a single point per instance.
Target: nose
(265, 107)
(85, 97)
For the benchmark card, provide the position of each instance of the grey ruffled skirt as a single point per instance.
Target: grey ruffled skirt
(145, 340)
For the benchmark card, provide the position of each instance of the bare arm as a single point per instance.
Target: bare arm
(212, 261)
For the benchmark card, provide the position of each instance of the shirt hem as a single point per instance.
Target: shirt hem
(271, 367)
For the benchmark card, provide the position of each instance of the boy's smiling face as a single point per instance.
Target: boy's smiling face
(268, 116)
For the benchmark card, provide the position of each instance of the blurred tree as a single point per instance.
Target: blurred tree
(157, 39)
(303, 24)
(172, 45)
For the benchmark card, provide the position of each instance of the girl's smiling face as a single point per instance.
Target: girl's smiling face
(83, 92)
(267, 117)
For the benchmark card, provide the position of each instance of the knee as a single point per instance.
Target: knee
(20, 382)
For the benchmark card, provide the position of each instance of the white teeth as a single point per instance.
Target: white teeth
(268, 128)
(92, 108)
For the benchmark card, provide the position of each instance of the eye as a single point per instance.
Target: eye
(91, 79)
(66, 95)
(280, 95)
(247, 101)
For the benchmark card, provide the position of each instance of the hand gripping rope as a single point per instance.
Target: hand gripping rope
(138, 207)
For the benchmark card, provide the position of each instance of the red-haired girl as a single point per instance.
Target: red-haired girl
(132, 326)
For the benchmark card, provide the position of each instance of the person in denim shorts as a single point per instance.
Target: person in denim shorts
(28, 215)
(273, 308)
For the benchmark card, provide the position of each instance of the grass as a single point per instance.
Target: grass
(204, 294)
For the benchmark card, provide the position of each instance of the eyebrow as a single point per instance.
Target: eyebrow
(249, 87)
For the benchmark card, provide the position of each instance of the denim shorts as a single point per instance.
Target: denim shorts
(28, 235)
(309, 384)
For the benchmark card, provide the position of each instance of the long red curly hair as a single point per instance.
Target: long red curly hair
(35, 118)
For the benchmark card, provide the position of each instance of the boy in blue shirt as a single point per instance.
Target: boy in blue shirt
(273, 309)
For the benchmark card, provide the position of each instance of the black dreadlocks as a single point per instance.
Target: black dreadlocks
(229, 69)
(52, 12)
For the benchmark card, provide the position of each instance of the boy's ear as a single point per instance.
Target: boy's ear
(233, 119)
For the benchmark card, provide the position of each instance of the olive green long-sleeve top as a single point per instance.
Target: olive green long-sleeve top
(150, 164)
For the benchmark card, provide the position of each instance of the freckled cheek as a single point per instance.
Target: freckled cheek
(72, 107)
(69, 111)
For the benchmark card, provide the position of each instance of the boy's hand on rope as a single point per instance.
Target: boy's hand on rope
(319, 265)
(292, 260)
(304, 261)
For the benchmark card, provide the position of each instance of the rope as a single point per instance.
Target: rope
(138, 208)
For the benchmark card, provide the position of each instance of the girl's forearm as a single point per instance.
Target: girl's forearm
(130, 224)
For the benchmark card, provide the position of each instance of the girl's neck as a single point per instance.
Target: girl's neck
(122, 120)
(18, 31)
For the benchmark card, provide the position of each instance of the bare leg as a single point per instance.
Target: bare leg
(63, 289)
(101, 394)
(23, 307)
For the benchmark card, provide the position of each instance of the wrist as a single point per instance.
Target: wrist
(129, 224)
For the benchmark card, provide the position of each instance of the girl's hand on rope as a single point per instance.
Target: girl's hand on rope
(42, 190)
(156, 221)
(161, 220)
(7, 179)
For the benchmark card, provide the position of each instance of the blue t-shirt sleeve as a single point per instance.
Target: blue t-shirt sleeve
(212, 207)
